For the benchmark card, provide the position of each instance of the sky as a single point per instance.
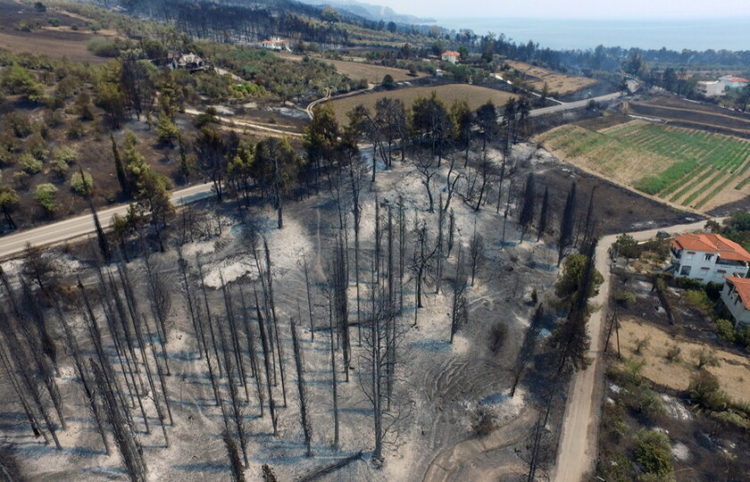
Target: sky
(630, 9)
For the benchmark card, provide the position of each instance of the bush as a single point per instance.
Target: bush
(45, 195)
(83, 185)
(642, 344)
(704, 391)
(626, 246)
(653, 453)
(725, 330)
(705, 357)
(30, 164)
(625, 298)
(699, 300)
(483, 422)
(673, 354)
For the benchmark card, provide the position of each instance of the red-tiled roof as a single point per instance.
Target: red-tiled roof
(451, 53)
(742, 285)
(739, 79)
(712, 243)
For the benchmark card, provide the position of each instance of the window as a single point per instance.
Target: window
(721, 271)
(685, 271)
(709, 257)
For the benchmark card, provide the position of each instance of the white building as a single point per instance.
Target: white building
(708, 258)
(451, 56)
(710, 88)
(276, 43)
(736, 297)
(717, 88)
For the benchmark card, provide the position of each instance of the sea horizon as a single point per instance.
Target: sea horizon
(587, 33)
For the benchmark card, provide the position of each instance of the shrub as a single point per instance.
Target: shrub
(673, 354)
(483, 421)
(705, 357)
(698, 299)
(704, 390)
(388, 82)
(76, 130)
(166, 130)
(725, 330)
(30, 164)
(642, 344)
(626, 246)
(82, 184)
(653, 453)
(625, 298)
(45, 195)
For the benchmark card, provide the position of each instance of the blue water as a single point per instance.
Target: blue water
(694, 34)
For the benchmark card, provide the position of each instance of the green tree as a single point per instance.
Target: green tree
(566, 288)
(45, 194)
(487, 122)
(17, 80)
(653, 453)
(430, 121)
(276, 169)
(166, 130)
(82, 183)
(321, 138)
(8, 203)
(388, 82)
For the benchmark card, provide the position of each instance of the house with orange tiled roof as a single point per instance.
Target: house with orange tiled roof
(708, 258)
(450, 56)
(736, 297)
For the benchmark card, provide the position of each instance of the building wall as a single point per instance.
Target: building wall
(734, 305)
(704, 270)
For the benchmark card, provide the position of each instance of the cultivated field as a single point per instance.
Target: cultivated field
(687, 167)
(356, 70)
(556, 82)
(475, 96)
(44, 39)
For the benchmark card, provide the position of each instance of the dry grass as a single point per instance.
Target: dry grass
(53, 43)
(475, 96)
(556, 82)
(357, 70)
(733, 371)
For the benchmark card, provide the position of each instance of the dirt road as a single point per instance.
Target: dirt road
(577, 451)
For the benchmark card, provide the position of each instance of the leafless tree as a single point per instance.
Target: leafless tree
(476, 252)
(459, 306)
(299, 364)
(427, 168)
(421, 260)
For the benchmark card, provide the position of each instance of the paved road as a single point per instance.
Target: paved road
(58, 232)
(579, 104)
(577, 450)
(229, 122)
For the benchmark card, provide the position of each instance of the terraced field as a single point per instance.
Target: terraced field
(688, 167)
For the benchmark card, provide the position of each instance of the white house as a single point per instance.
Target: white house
(736, 297)
(717, 88)
(276, 43)
(451, 56)
(708, 258)
(710, 88)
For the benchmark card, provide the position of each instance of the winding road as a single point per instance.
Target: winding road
(578, 444)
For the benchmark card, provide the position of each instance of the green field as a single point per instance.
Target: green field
(685, 166)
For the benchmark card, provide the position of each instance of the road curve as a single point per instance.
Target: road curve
(68, 229)
(578, 442)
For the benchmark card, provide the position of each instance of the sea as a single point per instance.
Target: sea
(560, 34)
